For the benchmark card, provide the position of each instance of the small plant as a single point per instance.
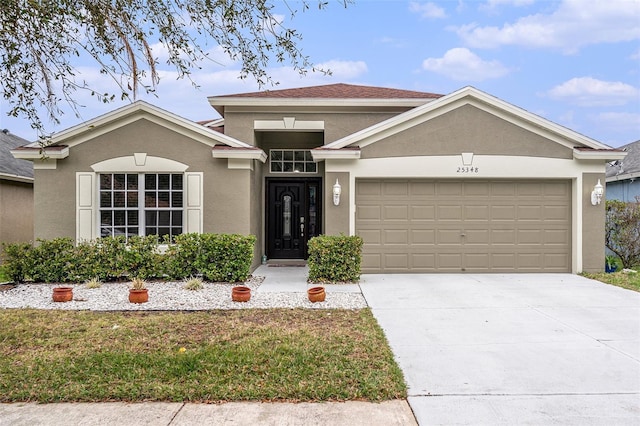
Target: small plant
(138, 284)
(193, 283)
(93, 283)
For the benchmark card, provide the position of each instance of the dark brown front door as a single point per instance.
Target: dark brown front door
(293, 216)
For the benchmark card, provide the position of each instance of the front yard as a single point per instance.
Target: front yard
(222, 355)
(628, 280)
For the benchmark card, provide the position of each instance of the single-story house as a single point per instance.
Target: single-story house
(459, 183)
(622, 175)
(16, 192)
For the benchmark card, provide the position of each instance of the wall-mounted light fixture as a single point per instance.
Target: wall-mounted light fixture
(337, 190)
(597, 193)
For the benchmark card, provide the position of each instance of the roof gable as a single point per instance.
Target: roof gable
(479, 99)
(132, 113)
(10, 166)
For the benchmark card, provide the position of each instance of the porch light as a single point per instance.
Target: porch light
(596, 194)
(337, 190)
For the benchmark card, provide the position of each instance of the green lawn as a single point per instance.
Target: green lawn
(265, 355)
(628, 280)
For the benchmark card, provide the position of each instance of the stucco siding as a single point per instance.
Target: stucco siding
(239, 125)
(466, 129)
(593, 224)
(16, 212)
(225, 191)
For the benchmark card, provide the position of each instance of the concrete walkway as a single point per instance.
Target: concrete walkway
(512, 349)
(394, 413)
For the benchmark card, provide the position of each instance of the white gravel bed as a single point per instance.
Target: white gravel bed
(169, 296)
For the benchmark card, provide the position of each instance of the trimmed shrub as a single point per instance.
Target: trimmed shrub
(335, 258)
(16, 260)
(52, 261)
(216, 257)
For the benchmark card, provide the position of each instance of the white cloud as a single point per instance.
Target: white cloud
(344, 69)
(462, 64)
(427, 10)
(517, 3)
(571, 26)
(619, 121)
(590, 92)
(635, 56)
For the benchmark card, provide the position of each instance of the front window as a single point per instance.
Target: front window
(141, 204)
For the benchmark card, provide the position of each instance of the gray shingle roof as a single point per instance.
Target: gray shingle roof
(630, 163)
(8, 164)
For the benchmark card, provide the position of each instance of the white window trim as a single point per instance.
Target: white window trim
(87, 191)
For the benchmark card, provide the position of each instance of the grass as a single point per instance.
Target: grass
(628, 280)
(233, 355)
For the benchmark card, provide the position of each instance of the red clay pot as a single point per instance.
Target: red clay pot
(316, 294)
(62, 294)
(241, 294)
(139, 296)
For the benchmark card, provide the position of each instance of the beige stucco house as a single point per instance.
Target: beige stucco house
(458, 183)
(16, 192)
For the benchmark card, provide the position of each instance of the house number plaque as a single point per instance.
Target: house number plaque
(466, 169)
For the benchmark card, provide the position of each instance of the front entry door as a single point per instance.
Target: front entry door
(293, 216)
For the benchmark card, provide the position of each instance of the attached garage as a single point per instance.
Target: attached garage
(427, 225)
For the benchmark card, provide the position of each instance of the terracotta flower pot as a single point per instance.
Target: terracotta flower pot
(241, 294)
(316, 294)
(62, 294)
(139, 296)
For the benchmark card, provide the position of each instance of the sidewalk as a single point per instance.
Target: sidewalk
(352, 413)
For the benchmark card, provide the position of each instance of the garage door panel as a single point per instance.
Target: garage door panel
(423, 212)
(508, 226)
(396, 212)
(365, 212)
(423, 236)
(449, 212)
(396, 236)
(503, 212)
(529, 212)
(477, 212)
(503, 237)
(395, 189)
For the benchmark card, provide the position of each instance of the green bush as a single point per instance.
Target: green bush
(335, 258)
(216, 257)
(622, 231)
(16, 260)
(52, 261)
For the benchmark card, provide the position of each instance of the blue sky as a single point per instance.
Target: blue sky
(573, 62)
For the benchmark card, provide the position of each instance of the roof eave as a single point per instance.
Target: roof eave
(58, 152)
(600, 154)
(16, 178)
(320, 154)
(240, 153)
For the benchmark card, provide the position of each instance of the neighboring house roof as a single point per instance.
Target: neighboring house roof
(627, 168)
(10, 167)
(584, 147)
(331, 95)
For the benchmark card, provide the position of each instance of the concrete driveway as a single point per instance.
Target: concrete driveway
(512, 349)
